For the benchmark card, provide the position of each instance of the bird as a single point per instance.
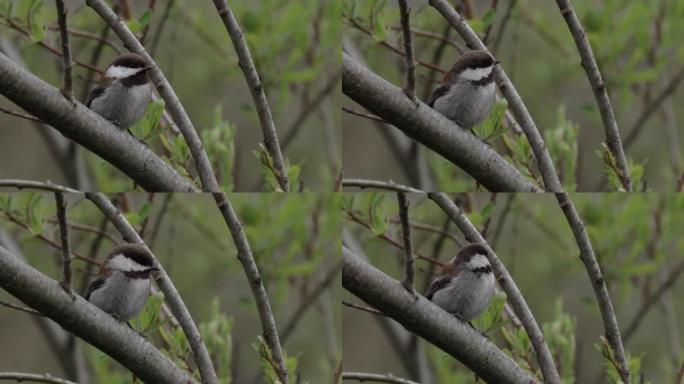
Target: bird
(465, 285)
(123, 283)
(124, 91)
(468, 91)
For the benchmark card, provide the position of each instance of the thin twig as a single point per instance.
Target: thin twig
(21, 308)
(600, 92)
(64, 238)
(363, 114)
(541, 153)
(363, 377)
(92, 36)
(362, 308)
(377, 184)
(515, 297)
(257, 90)
(680, 374)
(180, 116)
(595, 274)
(150, 8)
(20, 376)
(488, 31)
(67, 66)
(502, 27)
(410, 88)
(30, 184)
(270, 332)
(171, 295)
(409, 260)
(22, 115)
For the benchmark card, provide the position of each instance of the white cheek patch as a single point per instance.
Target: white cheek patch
(476, 74)
(123, 263)
(477, 261)
(119, 72)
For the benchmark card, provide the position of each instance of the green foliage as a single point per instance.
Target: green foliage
(149, 127)
(480, 25)
(149, 320)
(560, 336)
(491, 319)
(268, 365)
(561, 142)
(446, 174)
(217, 335)
(610, 364)
(492, 127)
(137, 25)
(445, 367)
(269, 171)
(219, 142)
(636, 171)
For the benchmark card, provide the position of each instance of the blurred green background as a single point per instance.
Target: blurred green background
(637, 45)
(636, 238)
(295, 46)
(295, 241)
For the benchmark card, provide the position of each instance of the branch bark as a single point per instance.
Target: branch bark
(64, 238)
(410, 88)
(544, 161)
(89, 129)
(431, 129)
(67, 65)
(600, 92)
(180, 116)
(257, 90)
(88, 322)
(375, 377)
(171, 295)
(20, 376)
(513, 294)
(409, 260)
(430, 322)
(268, 325)
(596, 277)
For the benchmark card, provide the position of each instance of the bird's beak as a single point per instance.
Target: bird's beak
(147, 68)
(497, 62)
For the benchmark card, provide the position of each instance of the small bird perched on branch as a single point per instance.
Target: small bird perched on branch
(123, 283)
(468, 92)
(466, 284)
(124, 92)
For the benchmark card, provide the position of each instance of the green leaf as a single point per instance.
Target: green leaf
(378, 216)
(36, 20)
(488, 18)
(145, 18)
(492, 127)
(150, 121)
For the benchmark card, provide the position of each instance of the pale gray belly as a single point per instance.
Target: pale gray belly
(123, 106)
(466, 103)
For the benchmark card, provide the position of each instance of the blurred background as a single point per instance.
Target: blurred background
(295, 240)
(637, 45)
(295, 47)
(636, 239)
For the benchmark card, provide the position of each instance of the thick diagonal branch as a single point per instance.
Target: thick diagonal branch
(88, 129)
(173, 104)
(430, 322)
(432, 129)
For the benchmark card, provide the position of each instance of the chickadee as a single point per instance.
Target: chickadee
(467, 93)
(466, 285)
(123, 284)
(124, 92)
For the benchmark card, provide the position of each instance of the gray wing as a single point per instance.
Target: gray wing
(436, 286)
(437, 93)
(97, 91)
(97, 283)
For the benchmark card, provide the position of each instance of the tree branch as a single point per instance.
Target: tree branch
(409, 260)
(410, 88)
(596, 277)
(20, 376)
(78, 123)
(180, 116)
(513, 294)
(430, 128)
(430, 322)
(268, 326)
(30, 184)
(257, 90)
(388, 185)
(171, 295)
(544, 161)
(600, 92)
(375, 377)
(88, 322)
(64, 238)
(67, 65)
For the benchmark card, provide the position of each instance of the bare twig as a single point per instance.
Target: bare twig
(180, 116)
(22, 115)
(362, 308)
(20, 376)
(515, 297)
(20, 308)
(363, 114)
(596, 277)
(502, 27)
(600, 92)
(544, 161)
(92, 36)
(270, 332)
(171, 295)
(488, 31)
(257, 90)
(376, 377)
(67, 66)
(409, 260)
(150, 8)
(388, 185)
(30, 184)
(410, 88)
(64, 238)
